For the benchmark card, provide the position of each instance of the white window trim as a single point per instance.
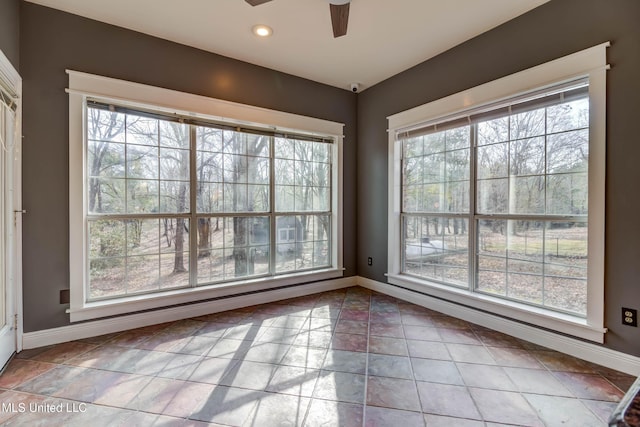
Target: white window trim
(589, 63)
(84, 85)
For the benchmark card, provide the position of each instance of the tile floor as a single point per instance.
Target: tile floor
(342, 358)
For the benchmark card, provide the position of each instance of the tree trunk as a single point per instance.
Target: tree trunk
(204, 226)
(239, 248)
(178, 264)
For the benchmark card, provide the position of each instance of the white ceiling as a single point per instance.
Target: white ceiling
(384, 38)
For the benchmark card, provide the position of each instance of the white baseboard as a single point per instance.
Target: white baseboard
(587, 351)
(583, 350)
(138, 320)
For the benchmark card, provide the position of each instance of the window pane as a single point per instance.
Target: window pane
(322, 152)
(285, 148)
(433, 168)
(142, 196)
(566, 266)
(142, 162)
(105, 159)
(285, 171)
(457, 165)
(492, 275)
(236, 172)
(525, 287)
(302, 180)
(235, 198)
(234, 143)
(174, 235)
(434, 143)
(104, 125)
(544, 263)
(106, 238)
(285, 197)
(412, 171)
(568, 152)
(106, 278)
(174, 196)
(208, 139)
(527, 195)
(302, 242)
(493, 131)
(527, 157)
(106, 196)
(527, 124)
(412, 147)
(235, 168)
(258, 198)
(137, 255)
(174, 134)
(210, 197)
(174, 164)
(492, 195)
(209, 166)
(437, 181)
(567, 194)
(170, 277)
(412, 198)
(457, 197)
(143, 274)
(437, 248)
(433, 198)
(143, 236)
(231, 248)
(142, 130)
(258, 170)
(569, 115)
(457, 138)
(493, 161)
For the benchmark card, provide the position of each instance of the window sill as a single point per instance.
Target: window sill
(559, 322)
(119, 306)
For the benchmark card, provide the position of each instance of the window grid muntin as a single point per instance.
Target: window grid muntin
(476, 216)
(192, 196)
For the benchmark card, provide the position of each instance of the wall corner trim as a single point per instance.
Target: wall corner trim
(583, 350)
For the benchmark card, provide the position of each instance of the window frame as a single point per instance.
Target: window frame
(84, 87)
(589, 63)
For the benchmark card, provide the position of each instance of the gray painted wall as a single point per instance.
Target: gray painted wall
(52, 41)
(552, 30)
(10, 30)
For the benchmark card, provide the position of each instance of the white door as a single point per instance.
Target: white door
(10, 218)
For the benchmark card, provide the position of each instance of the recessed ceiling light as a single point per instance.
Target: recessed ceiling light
(262, 30)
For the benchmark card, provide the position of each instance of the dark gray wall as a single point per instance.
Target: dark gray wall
(10, 30)
(552, 30)
(52, 41)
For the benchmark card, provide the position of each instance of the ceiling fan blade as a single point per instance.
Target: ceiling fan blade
(256, 2)
(339, 18)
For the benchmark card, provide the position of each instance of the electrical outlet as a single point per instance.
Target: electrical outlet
(64, 296)
(369, 261)
(629, 316)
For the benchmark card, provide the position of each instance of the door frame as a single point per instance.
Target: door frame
(12, 194)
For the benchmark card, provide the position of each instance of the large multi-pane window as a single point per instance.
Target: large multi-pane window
(511, 183)
(497, 198)
(175, 203)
